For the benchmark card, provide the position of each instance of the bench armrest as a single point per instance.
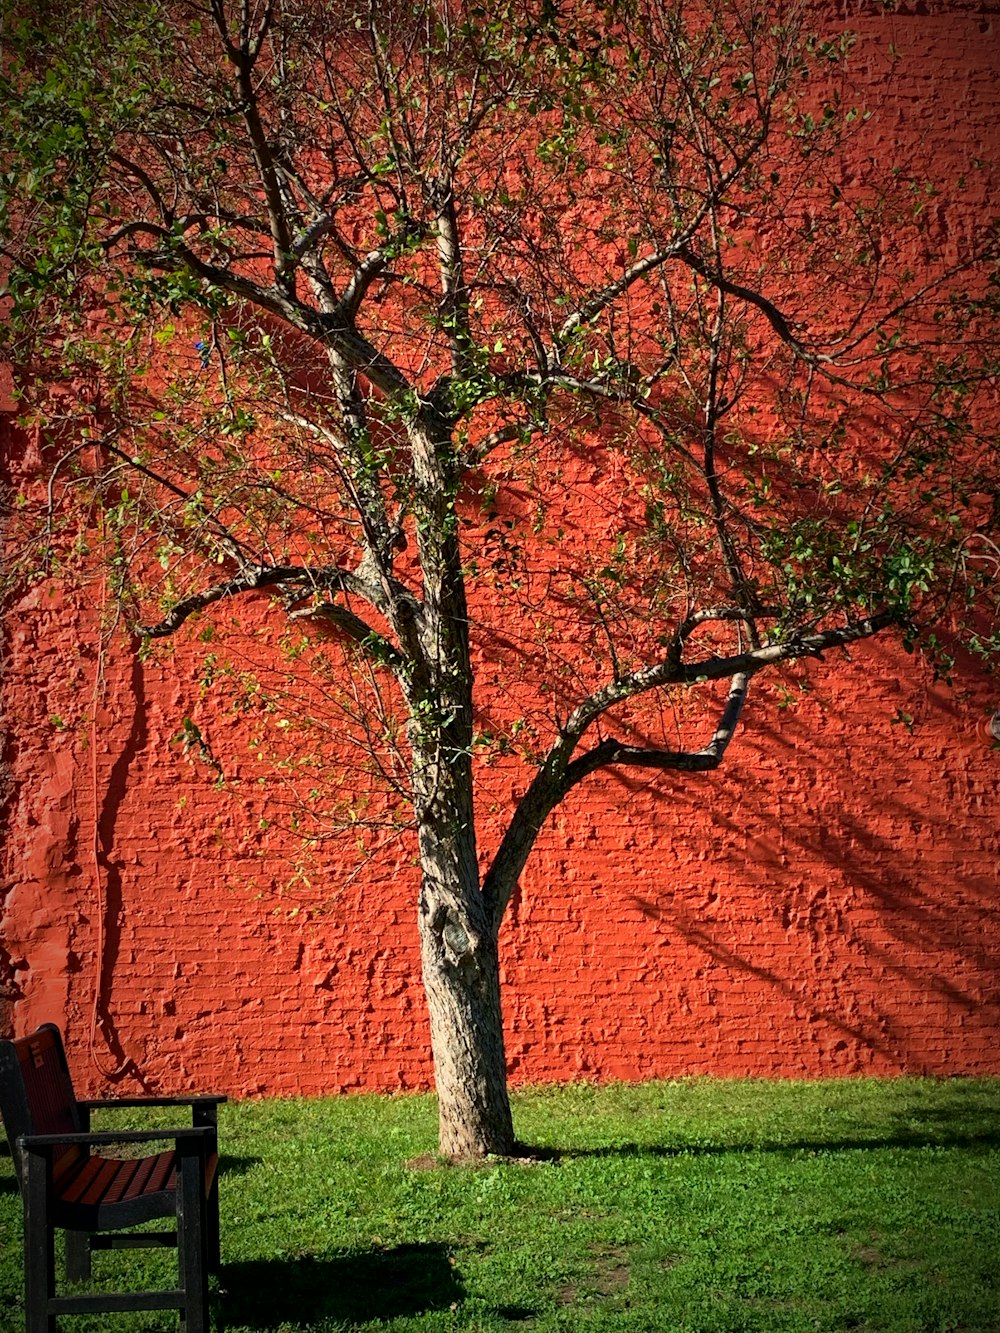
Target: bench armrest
(30, 1142)
(109, 1103)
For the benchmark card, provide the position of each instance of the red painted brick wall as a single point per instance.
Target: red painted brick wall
(823, 905)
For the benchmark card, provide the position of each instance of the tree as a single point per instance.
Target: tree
(331, 280)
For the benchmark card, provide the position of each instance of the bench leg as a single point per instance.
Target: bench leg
(213, 1245)
(207, 1117)
(39, 1247)
(192, 1240)
(77, 1256)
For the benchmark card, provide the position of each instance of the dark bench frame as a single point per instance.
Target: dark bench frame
(93, 1198)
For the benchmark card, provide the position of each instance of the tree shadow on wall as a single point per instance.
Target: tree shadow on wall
(851, 858)
(354, 1289)
(112, 904)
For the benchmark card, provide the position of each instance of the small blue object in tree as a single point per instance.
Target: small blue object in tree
(205, 352)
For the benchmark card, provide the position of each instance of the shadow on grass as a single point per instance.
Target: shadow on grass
(354, 1288)
(238, 1166)
(915, 1139)
(965, 1117)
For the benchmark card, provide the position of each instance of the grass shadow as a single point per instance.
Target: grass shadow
(914, 1139)
(237, 1166)
(356, 1288)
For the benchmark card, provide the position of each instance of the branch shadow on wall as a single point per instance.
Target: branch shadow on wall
(358, 1288)
(932, 915)
(111, 870)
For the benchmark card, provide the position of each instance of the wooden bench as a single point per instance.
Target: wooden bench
(65, 1182)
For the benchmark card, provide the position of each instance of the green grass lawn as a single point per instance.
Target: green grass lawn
(698, 1205)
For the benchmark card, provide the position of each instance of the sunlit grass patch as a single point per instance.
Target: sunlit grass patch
(696, 1205)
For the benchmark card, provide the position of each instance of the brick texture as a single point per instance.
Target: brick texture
(824, 905)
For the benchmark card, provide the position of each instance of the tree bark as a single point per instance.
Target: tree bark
(461, 975)
(462, 983)
(458, 937)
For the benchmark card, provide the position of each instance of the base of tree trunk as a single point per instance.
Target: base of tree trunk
(462, 983)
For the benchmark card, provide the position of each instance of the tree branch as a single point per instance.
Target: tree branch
(373, 264)
(232, 547)
(789, 650)
(710, 756)
(601, 299)
(559, 772)
(255, 577)
(376, 645)
(244, 58)
(454, 292)
(249, 580)
(768, 309)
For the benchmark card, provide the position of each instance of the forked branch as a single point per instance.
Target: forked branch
(560, 772)
(610, 751)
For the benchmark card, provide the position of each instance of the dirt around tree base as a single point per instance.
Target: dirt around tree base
(524, 1156)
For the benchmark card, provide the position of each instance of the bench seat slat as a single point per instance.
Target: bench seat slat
(164, 1173)
(80, 1188)
(140, 1181)
(119, 1182)
(102, 1181)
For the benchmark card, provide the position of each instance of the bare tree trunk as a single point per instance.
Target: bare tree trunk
(458, 937)
(461, 971)
(462, 985)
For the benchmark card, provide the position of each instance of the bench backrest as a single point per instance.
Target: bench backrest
(36, 1091)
